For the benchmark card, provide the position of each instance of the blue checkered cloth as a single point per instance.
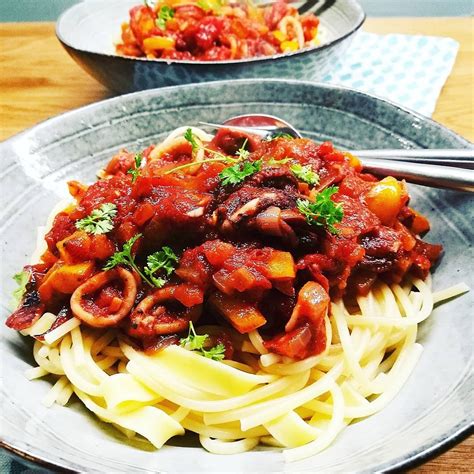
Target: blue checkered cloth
(408, 70)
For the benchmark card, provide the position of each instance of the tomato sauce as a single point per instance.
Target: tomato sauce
(215, 31)
(247, 256)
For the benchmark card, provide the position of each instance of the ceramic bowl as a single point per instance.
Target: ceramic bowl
(89, 30)
(432, 411)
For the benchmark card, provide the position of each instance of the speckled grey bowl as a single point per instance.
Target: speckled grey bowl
(434, 408)
(88, 31)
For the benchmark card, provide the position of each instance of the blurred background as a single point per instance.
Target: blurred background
(42, 10)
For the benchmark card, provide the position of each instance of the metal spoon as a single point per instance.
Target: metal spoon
(415, 166)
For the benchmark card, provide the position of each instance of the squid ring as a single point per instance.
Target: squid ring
(152, 318)
(94, 284)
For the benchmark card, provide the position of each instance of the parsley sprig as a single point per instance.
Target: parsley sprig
(196, 342)
(164, 260)
(276, 135)
(242, 152)
(99, 221)
(165, 14)
(161, 260)
(196, 145)
(125, 257)
(135, 170)
(232, 175)
(305, 173)
(191, 138)
(237, 173)
(21, 278)
(323, 211)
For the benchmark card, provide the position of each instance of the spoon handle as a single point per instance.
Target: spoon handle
(261, 132)
(426, 174)
(453, 157)
(388, 162)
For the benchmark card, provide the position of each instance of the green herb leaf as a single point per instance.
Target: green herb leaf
(22, 278)
(195, 342)
(242, 152)
(135, 171)
(124, 257)
(163, 260)
(239, 172)
(190, 137)
(214, 353)
(323, 212)
(196, 145)
(273, 136)
(305, 173)
(99, 221)
(165, 14)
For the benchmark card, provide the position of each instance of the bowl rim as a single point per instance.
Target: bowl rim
(288, 82)
(412, 459)
(169, 62)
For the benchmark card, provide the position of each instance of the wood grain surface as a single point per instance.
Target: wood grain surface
(39, 80)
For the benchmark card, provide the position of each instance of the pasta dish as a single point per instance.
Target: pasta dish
(251, 291)
(215, 30)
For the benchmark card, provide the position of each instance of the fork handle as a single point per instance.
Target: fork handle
(446, 177)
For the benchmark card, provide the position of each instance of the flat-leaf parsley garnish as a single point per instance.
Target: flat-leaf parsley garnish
(242, 152)
(191, 138)
(124, 256)
(164, 261)
(22, 278)
(239, 172)
(196, 342)
(276, 135)
(323, 211)
(165, 14)
(99, 221)
(305, 173)
(135, 170)
(196, 145)
(234, 174)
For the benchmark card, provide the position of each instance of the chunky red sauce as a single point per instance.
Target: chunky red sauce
(211, 30)
(247, 257)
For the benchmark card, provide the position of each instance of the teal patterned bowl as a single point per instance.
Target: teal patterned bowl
(431, 412)
(89, 29)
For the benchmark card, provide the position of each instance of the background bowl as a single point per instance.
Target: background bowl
(434, 408)
(90, 29)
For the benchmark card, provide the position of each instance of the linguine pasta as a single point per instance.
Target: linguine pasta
(260, 395)
(300, 406)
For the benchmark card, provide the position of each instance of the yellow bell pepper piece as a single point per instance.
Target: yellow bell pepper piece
(386, 199)
(281, 266)
(158, 42)
(279, 35)
(287, 46)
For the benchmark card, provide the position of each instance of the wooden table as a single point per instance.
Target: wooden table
(39, 80)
